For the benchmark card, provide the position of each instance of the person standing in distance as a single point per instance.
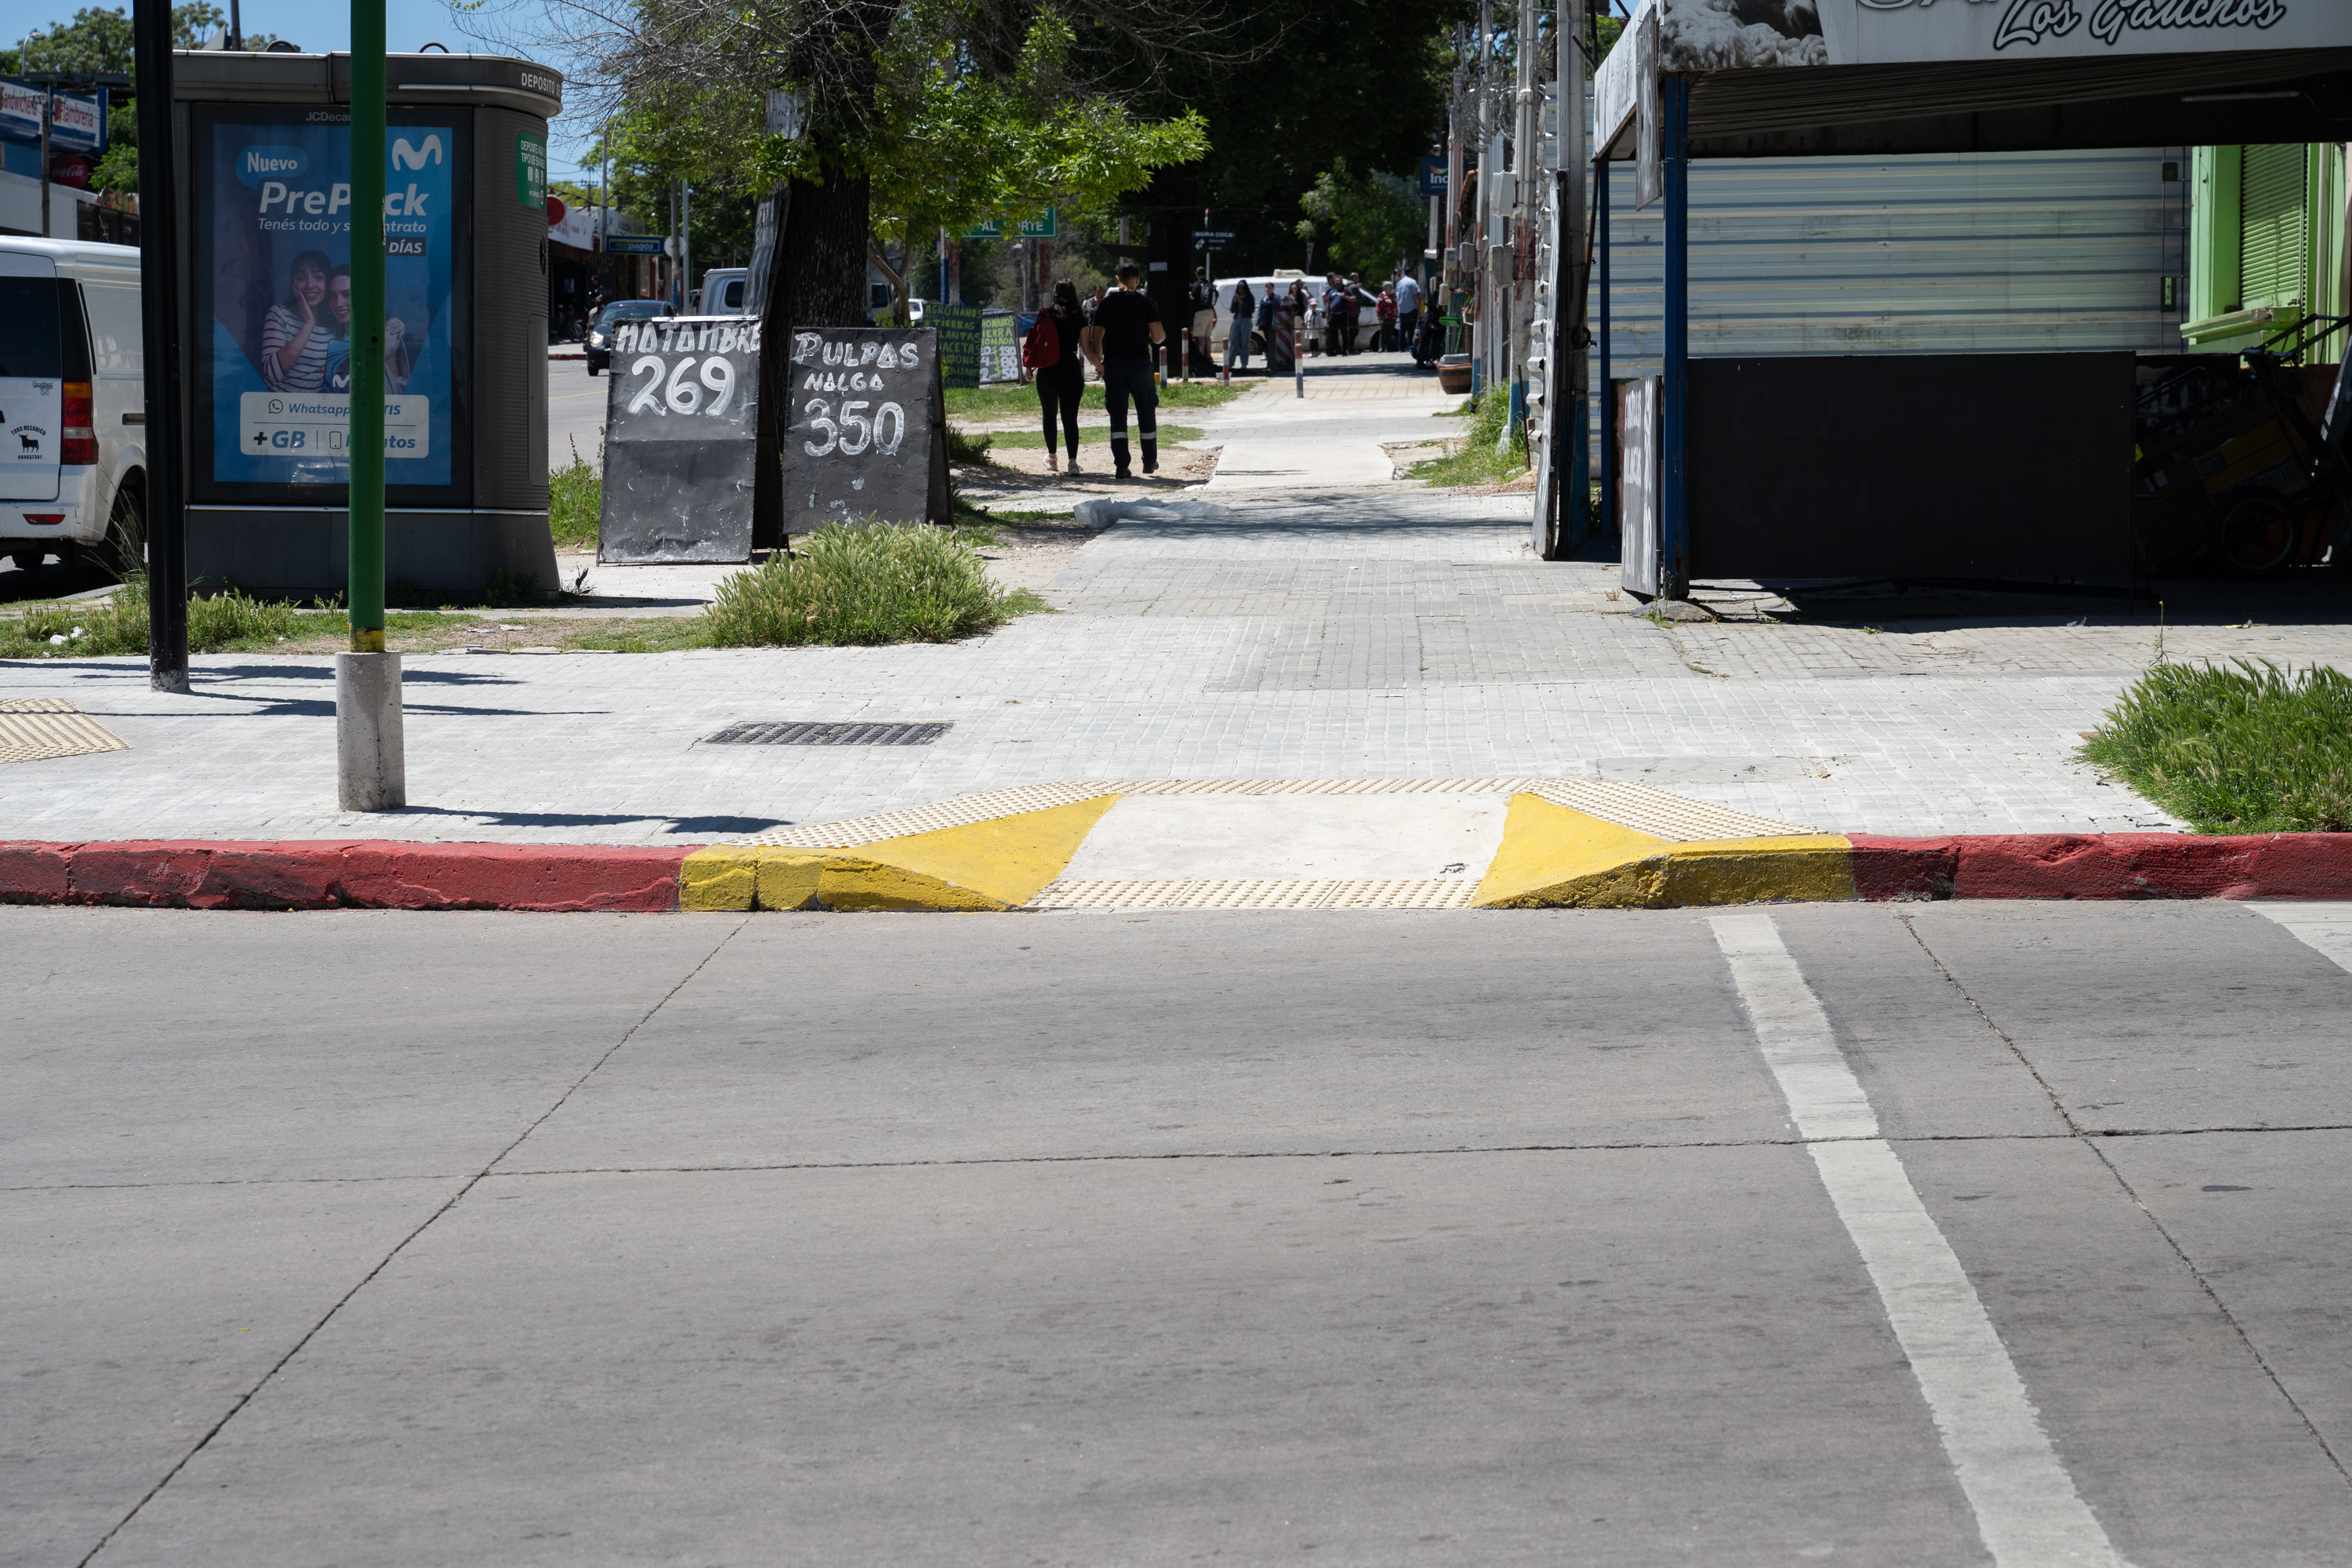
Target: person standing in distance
(1120, 341)
(1204, 321)
(1408, 311)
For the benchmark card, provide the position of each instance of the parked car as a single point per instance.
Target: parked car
(600, 332)
(73, 403)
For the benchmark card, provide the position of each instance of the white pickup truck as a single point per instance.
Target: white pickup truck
(73, 403)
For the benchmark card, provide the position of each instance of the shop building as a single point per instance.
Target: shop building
(2266, 244)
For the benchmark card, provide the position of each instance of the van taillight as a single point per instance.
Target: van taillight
(81, 434)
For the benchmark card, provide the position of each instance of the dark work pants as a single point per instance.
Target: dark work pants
(1060, 387)
(1122, 379)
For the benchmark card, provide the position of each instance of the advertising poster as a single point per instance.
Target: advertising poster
(275, 298)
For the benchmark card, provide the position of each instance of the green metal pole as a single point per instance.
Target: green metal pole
(367, 326)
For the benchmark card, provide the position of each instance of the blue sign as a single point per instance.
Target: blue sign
(77, 123)
(632, 244)
(277, 297)
(1432, 176)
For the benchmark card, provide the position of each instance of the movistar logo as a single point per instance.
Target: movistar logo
(404, 156)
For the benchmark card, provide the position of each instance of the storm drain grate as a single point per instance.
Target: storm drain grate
(750, 734)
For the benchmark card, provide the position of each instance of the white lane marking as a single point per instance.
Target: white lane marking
(2027, 1508)
(2326, 928)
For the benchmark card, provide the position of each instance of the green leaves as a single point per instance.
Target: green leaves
(1366, 221)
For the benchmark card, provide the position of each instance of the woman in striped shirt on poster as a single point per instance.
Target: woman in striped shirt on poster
(295, 333)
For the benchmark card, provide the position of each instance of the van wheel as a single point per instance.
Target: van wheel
(27, 560)
(591, 369)
(125, 549)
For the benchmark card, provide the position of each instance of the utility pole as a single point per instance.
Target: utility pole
(158, 315)
(1527, 199)
(49, 114)
(372, 764)
(686, 245)
(1570, 416)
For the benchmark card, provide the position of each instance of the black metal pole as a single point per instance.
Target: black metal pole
(159, 282)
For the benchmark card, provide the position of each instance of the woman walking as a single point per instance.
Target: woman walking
(1053, 352)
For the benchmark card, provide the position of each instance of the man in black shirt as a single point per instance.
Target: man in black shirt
(1119, 342)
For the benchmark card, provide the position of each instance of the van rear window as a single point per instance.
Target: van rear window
(30, 339)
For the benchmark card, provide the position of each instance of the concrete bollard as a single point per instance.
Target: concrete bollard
(370, 764)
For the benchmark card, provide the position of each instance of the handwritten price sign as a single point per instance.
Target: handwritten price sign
(860, 444)
(681, 429)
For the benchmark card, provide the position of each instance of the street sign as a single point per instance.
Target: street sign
(1432, 176)
(1031, 227)
(1212, 238)
(632, 244)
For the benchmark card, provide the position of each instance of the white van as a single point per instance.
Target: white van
(73, 403)
(723, 293)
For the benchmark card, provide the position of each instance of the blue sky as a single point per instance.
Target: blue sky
(407, 25)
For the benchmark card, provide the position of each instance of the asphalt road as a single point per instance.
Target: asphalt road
(1831, 1232)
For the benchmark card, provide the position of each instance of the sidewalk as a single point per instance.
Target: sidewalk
(1387, 632)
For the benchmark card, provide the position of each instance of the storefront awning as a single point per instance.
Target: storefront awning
(1783, 77)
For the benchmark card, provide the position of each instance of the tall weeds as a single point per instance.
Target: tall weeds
(2249, 749)
(861, 584)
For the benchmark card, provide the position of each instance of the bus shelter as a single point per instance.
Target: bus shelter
(2015, 467)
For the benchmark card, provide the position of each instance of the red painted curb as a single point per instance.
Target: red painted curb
(2104, 866)
(326, 874)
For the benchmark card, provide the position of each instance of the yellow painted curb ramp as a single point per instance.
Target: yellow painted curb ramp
(1556, 857)
(994, 863)
(1547, 844)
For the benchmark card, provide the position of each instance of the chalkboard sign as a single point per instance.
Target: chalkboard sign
(958, 334)
(681, 424)
(867, 428)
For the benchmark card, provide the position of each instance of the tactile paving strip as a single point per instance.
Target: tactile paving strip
(961, 812)
(34, 729)
(1637, 806)
(1658, 814)
(1266, 893)
(806, 734)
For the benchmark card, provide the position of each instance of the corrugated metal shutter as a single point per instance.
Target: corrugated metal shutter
(2274, 226)
(1938, 253)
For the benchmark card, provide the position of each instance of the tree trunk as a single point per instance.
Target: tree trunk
(818, 280)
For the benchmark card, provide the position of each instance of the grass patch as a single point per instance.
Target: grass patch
(1029, 441)
(860, 584)
(230, 622)
(117, 626)
(2243, 749)
(653, 633)
(1479, 462)
(1007, 402)
(576, 501)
